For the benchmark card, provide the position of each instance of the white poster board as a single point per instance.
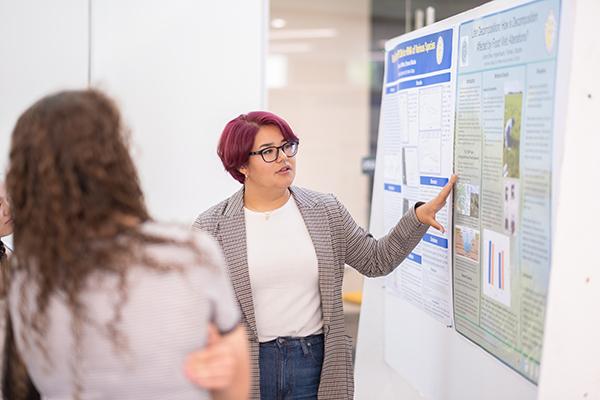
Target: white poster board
(402, 351)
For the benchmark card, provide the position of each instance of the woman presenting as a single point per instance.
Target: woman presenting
(286, 248)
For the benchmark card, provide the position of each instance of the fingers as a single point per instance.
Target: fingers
(214, 379)
(443, 195)
(211, 369)
(429, 218)
(439, 206)
(210, 383)
(210, 354)
(437, 226)
(426, 213)
(213, 335)
(220, 366)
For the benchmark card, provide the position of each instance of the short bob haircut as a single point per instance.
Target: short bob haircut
(238, 136)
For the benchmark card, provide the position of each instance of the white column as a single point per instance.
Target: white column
(571, 353)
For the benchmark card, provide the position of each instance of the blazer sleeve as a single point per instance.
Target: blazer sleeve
(207, 221)
(377, 257)
(201, 223)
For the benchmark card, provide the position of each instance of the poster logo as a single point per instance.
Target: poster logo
(464, 51)
(439, 54)
(550, 31)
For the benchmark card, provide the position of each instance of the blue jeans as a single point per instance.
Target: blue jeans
(290, 368)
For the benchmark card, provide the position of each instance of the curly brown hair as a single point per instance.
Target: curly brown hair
(77, 206)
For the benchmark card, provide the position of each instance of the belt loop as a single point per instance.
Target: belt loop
(304, 346)
(280, 342)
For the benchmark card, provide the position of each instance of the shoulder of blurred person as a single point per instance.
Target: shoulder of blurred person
(185, 299)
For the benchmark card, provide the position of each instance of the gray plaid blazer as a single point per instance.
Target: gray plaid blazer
(338, 240)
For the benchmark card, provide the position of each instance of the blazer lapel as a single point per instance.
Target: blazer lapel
(314, 214)
(232, 234)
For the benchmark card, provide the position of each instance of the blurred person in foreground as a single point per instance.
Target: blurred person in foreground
(106, 303)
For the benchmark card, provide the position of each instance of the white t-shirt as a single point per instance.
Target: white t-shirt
(284, 273)
(164, 318)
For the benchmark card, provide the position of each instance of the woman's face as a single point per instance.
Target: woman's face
(278, 174)
(5, 217)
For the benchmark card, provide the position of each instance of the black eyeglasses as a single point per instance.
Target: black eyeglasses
(271, 154)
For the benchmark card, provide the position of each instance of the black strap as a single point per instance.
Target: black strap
(16, 383)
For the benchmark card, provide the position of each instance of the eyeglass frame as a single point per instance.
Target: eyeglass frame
(278, 148)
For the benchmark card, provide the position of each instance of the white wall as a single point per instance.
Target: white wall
(43, 48)
(180, 70)
(325, 93)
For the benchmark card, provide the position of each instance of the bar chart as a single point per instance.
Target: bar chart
(496, 266)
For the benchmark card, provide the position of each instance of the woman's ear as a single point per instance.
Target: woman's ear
(243, 170)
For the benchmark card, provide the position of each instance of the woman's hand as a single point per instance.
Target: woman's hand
(426, 213)
(223, 366)
(213, 367)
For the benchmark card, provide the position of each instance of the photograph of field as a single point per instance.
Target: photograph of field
(513, 103)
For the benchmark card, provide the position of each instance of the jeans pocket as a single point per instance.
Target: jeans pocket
(316, 352)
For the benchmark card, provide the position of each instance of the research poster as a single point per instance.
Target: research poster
(505, 104)
(417, 127)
